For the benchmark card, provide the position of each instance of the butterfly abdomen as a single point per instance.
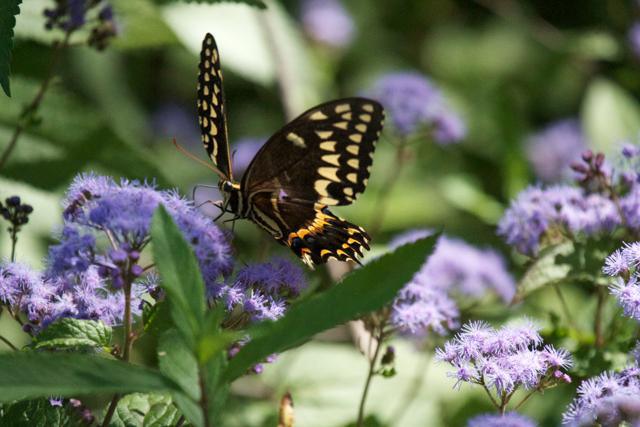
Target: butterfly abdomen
(326, 237)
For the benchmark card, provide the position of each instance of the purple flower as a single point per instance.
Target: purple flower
(510, 419)
(327, 22)
(634, 39)
(413, 102)
(74, 253)
(536, 211)
(552, 150)
(124, 212)
(628, 295)
(608, 400)
(261, 290)
(244, 150)
(504, 359)
(455, 267)
(174, 121)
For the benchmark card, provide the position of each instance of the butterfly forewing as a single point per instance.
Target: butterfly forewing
(323, 156)
(211, 111)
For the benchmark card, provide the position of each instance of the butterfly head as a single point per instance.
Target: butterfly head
(232, 196)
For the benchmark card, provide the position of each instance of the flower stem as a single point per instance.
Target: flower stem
(30, 110)
(493, 400)
(371, 373)
(524, 399)
(412, 391)
(565, 307)
(597, 325)
(8, 343)
(127, 347)
(14, 242)
(381, 204)
(204, 399)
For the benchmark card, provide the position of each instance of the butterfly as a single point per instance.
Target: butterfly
(320, 159)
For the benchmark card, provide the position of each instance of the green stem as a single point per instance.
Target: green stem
(381, 205)
(412, 391)
(597, 325)
(32, 108)
(14, 242)
(8, 343)
(127, 347)
(565, 307)
(371, 373)
(204, 399)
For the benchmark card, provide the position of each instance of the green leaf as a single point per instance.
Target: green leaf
(180, 276)
(146, 410)
(9, 9)
(177, 362)
(217, 387)
(364, 290)
(544, 270)
(38, 413)
(32, 375)
(609, 115)
(142, 25)
(74, 333)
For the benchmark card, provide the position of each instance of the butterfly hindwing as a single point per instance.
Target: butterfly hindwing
(311, 231)
(211, 110)
(323, 156)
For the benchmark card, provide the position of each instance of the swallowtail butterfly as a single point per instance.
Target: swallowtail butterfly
(320, 159)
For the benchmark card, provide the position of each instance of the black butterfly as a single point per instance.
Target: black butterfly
(322, 158)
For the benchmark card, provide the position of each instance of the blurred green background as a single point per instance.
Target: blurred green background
(508, 67)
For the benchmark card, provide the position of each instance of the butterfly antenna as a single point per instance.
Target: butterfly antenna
(203, 163)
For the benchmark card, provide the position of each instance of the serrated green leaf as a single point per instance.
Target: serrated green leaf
(68, 333)
(38, 413)
(9, 9)
(544, 270)
(148, 410)
(181, 278)
(33, 375)
(609, 115)
(364, 290)
(177, 362)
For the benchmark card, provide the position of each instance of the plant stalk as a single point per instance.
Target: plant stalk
(33, 106)
(371, 373)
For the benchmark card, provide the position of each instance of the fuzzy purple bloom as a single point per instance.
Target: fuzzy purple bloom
(633, 37)
(608, 400)
(510, 419)
(413, 102)
(455, 267)
(261, 290)
(327, 22)
(552, 150)
(504, 359)
(537, 211)
(174, 121)
(244, 150)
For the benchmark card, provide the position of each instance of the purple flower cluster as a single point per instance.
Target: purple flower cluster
(71, 15)
(261, 290)
(43, 299)
(413, 102)
(624, 263)
(607, 198)
(455, 267)
(510, 419)
(106, 228)
(504, 360)
(538, 212)
(552, 150)
(607, 400)
(327, 22)
(244, 150)
(633, 37)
